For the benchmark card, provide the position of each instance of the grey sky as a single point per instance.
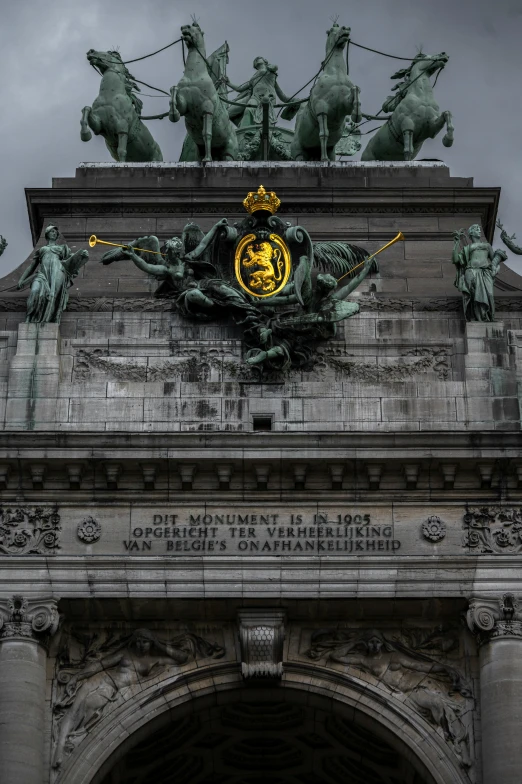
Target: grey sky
(46, 80)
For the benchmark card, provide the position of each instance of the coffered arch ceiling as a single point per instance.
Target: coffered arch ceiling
(263, 736)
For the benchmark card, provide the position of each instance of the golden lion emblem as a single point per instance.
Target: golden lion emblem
(265, 256)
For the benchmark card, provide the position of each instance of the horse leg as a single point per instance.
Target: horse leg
(207, 136)
(122, 146)
(447, 140)
(323, 136)
(85, 134)
(356, 111)
(174, 114)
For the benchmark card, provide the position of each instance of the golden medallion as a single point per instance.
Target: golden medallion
(262, 264)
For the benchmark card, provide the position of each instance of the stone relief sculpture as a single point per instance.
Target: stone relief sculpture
(93, 673)
(415, 113)
(29, 531)
(477, 265)
(413, 664)
(115, 113)
(245, 273)
(50, 274)
(493, 530)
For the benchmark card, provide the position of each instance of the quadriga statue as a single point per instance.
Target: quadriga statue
(50, 273)
(477, 266)
(415, 114)
(115, 113)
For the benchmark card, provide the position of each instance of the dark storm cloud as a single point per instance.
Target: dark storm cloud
(46, 80)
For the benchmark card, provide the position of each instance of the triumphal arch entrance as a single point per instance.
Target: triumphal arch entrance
(260, 468)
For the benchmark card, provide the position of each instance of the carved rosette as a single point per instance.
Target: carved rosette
(89, 530)
(491, 619)
(35, 619)
(434, 529)
(261, 634)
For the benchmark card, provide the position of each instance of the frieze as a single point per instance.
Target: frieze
(493, 530)
(29, 530)
(372, 303)
(196, 366)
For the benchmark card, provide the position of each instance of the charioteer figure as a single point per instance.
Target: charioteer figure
(263, 87)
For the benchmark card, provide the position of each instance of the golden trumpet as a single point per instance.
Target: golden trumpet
(93, 240)
(400, 236)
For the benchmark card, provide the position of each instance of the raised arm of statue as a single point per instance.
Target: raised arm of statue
(207, 240)
(509, 241)
(239, 88)
(345, 291)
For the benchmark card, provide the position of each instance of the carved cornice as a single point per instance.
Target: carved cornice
(34, 619)
(261, 634)
(493, 619)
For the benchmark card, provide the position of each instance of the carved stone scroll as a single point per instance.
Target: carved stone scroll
(22, 618)
(261, 634)
(489, 618)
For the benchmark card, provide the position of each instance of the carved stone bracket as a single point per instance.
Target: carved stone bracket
(35, 619)
(261, 634)
(491, 619)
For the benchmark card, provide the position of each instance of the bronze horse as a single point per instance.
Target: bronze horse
(115, 113)
(416, 115)
(321, 120)
(195, 97)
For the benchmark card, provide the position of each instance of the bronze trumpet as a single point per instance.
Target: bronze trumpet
(400, 236)
(93, 240)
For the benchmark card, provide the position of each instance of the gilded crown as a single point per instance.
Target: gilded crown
(262, 200)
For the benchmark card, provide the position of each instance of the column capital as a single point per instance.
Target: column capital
(22, 618)
(495, 618)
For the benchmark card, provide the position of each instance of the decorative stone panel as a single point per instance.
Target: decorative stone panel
(261, 634)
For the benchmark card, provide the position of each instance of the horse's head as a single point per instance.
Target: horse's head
(193, 36)
(428, 63)
(338, 37)
(104, 60)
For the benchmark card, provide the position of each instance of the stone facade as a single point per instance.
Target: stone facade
(215, 572)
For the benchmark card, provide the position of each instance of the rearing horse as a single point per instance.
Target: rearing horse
(321, 120)
(115, 113)
(416, 115)
(195, 97)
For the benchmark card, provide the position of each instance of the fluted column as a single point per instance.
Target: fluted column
(26, 626)
(498, 627)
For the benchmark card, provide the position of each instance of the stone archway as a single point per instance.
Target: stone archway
(221, 729)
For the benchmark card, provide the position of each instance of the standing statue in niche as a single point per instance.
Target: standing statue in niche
(97, 680)
(415, 114)
(477, 265)
(50, 273)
